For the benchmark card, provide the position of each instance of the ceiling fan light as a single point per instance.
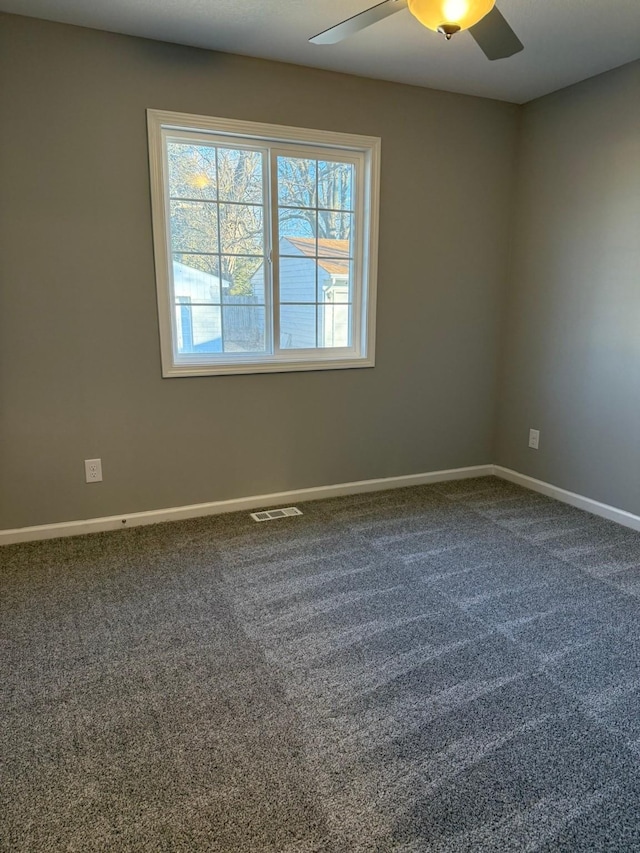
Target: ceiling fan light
(437, 13)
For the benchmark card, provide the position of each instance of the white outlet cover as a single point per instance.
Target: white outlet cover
(534, 438)
(93, 470)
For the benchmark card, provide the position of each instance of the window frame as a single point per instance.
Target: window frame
(276, 140)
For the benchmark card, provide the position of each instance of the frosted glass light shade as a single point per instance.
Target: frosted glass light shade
(465, 13)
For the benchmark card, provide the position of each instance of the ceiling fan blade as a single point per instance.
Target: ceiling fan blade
(359, 22)
(495, 37)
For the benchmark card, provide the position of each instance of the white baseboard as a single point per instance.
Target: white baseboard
(137, 519)
(621, 516)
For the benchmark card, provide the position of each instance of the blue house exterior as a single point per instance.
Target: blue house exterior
(314, 293)
(207, 312)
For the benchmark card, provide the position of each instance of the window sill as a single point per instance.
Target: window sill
(265, 367)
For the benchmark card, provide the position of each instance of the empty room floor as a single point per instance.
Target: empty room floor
(453, 667)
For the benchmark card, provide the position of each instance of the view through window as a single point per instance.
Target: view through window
(264, 246)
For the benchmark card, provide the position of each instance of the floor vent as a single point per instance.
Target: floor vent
(271, 514)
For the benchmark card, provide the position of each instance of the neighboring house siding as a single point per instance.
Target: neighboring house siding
(198, 321)
(304, 282)
(297, 285)
(204, 307)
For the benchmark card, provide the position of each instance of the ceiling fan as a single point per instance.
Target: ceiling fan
(482, 18)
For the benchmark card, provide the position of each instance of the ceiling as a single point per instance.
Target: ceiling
(565, 40)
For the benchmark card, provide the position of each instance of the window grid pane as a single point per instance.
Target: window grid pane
(192, 171)
(245, 328)
(334, 325)
(194, 226)
(244, 279)
(298, 325)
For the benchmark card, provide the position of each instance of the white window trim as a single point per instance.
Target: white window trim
(366, 149)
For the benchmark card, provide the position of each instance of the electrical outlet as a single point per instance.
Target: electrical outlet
(534, 438)
(93, 470)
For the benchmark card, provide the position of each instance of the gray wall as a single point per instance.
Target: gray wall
(571, 363)
(79, 353)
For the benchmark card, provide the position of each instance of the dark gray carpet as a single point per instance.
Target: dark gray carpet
(446, 668)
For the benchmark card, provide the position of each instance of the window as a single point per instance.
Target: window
(265, 245)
